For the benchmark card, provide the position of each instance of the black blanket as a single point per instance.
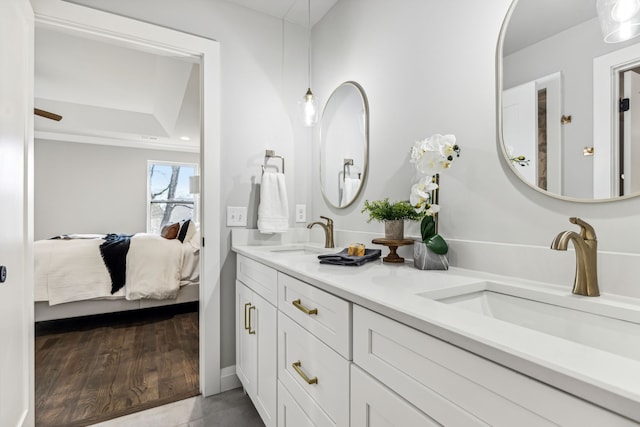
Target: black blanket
(114, 253)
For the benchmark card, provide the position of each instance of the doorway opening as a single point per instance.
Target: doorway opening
(93, 25)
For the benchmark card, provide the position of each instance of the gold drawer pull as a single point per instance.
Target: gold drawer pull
(251, 332)
(246, 324)
(304, 309)
(296, 366)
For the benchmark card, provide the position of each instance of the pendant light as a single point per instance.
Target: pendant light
(619, 19)
(309, 102)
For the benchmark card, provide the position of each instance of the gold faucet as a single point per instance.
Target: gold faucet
(586, 246)
(328, 231)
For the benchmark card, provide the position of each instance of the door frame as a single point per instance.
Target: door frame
(75, 19)
(606, 126)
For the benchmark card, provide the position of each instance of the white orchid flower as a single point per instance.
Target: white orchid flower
(433, 209)
(421, 193)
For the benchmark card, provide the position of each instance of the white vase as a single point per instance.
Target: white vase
(425, 259)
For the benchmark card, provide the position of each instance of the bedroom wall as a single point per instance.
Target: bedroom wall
(86, 188)
(264, 73)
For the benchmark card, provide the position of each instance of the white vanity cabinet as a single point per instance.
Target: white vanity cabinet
(307, 357)
(451, 386)
(256, 334)
(314, 349)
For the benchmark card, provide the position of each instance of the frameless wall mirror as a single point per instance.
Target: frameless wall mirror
(344, 144)
(560, 87)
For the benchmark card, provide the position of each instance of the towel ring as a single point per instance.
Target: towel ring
(346, 162)
(268, 154)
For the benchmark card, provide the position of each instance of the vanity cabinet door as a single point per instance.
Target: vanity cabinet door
(245, 343)
(373, 405)
(256, 351)
(290, 414)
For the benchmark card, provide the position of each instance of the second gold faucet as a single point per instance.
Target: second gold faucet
(586, 246)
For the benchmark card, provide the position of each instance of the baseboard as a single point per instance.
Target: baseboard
(228, 378)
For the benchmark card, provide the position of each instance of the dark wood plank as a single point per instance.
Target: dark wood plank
(97, 368)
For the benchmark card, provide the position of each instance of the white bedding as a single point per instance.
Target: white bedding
(73, 270)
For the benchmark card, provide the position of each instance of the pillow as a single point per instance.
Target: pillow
(170, 231)
(187, 230)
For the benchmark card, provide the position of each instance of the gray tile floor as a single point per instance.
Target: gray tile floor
(229, 409)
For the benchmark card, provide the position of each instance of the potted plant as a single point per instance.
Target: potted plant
(392, 214)
(431, 156)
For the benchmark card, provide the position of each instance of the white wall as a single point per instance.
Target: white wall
(570, 52)
(429, 67)
(86, 188)
(264, 72)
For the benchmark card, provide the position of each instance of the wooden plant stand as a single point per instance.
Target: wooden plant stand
(393, 245)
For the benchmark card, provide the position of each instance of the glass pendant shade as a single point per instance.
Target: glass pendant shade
(309, 109)
(619, 19)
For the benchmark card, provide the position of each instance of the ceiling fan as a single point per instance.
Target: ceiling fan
(47, 114)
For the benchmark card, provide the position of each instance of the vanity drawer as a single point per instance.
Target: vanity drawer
(327, 373)
(261, 279)
(456, 387)
(290, 414)
(330, 317)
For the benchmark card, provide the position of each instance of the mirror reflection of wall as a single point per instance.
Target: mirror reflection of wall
(566, 46)
(344, 143)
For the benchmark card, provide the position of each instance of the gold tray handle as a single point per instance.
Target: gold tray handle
(304, 309)
(297, 366)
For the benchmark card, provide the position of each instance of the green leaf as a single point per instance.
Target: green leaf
(437, 244)
(427, 228)
(384, 210)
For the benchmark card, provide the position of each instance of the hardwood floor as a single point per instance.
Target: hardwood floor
(97, 368)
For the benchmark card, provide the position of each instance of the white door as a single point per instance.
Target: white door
(520, 127)
(16, 111)
(631, 182)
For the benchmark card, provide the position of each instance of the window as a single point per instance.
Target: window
(169, 197)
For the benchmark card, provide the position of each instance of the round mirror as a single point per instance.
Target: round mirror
(344, 144)
(562, 91)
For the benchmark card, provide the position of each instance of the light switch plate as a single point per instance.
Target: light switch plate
(301, 213)
(236, 216)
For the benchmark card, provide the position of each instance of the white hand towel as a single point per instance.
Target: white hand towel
(273, 212)
(349, 190)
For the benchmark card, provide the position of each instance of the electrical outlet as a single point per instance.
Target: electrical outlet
(301, 213)
(236, 216)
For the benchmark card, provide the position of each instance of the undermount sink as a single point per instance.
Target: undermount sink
(301, 249)
(599, 322)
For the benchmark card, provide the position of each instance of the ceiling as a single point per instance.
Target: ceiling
(295, 11)
(536, 20)
(112, 94)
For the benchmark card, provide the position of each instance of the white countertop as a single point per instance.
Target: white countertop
(604, 378)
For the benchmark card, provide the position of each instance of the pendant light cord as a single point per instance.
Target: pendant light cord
(309, 42)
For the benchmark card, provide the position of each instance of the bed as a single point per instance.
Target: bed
(74, 276)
